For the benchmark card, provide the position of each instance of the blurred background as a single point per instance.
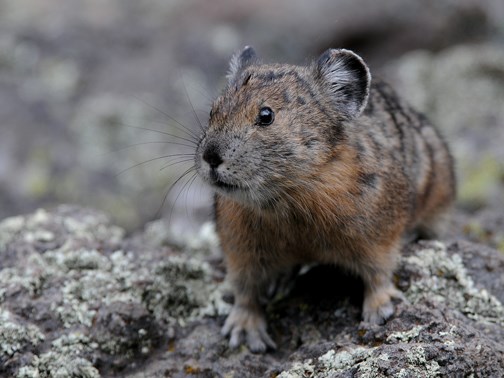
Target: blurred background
(81, 81)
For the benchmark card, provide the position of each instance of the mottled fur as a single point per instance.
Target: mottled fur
(343, 173)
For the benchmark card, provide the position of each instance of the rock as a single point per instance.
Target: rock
(67, 280)
(79, 299)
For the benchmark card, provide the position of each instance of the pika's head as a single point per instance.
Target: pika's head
(276, 125)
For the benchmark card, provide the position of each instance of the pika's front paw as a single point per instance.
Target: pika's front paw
(242, 321)
(378, 306)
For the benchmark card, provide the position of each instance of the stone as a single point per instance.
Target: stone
(79, 298)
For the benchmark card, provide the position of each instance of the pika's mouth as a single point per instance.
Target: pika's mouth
(224, 185)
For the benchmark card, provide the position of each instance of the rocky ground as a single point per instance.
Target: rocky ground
(79, 299)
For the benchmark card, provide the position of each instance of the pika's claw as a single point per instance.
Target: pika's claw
(236, 337)
(378, 315)
(244, 321)
(378, 306)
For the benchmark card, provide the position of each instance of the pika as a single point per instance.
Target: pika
(317, 164)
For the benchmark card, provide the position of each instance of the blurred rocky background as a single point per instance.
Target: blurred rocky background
(81, 81)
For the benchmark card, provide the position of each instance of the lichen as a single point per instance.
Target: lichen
(175, 290)
(405, 336)
(443, 278)
(14, 336)
(419, 365)
(299, 369)
(9, 228)
(329, 364)
(200, 242)
(179, 290)
(65, 359)
(344, 359)
(77, 280)
(363, 362)
(439, 276)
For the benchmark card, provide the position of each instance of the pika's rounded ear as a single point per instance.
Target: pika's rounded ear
(240, 61)
(345, 77)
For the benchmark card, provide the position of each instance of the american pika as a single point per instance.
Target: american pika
(317, 164)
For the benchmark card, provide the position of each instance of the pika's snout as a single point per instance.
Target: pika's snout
(213, 168)
(212, 156)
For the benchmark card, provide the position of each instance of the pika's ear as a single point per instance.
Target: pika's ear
(345, 77)
(240, 61)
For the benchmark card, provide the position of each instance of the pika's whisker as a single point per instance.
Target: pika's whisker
(175, 163)
(180, 192)
(189, 170)
(184, 128)
(145, 162)
(192, 107)
(193, 142)
(188, 131)
(145, 143)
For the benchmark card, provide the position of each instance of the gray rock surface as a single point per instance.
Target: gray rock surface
(78, 298)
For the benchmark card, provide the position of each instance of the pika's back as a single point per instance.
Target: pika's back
(403, 139)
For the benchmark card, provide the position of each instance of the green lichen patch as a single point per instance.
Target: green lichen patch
(420, 365)
(427, 337)
(65, 359)
(9, 228)
(405, 336)
(31, 278)
(443, 278)
(199, 242)
(123, 302)
(179, 289)
(364, 362)
(331, 363)
(54, 365)
(15, 336)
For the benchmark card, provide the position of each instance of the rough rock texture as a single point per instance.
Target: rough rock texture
(79, 299)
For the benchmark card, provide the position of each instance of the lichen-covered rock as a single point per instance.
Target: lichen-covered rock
(16, 337)
(64, 359)
(67, 280)
(447, 325)
(79, 299)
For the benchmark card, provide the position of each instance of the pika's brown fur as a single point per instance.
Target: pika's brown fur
(315, 164)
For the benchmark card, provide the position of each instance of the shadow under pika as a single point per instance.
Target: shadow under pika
(320, 304)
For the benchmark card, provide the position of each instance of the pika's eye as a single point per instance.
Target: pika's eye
(265, 117)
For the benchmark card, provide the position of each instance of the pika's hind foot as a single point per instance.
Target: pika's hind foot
(242, 321)
(378, 306)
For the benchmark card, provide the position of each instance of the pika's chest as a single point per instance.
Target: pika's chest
(287, 240)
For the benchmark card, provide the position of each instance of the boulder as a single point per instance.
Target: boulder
(79, 298)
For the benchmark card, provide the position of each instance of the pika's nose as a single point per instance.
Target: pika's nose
(212, 157)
